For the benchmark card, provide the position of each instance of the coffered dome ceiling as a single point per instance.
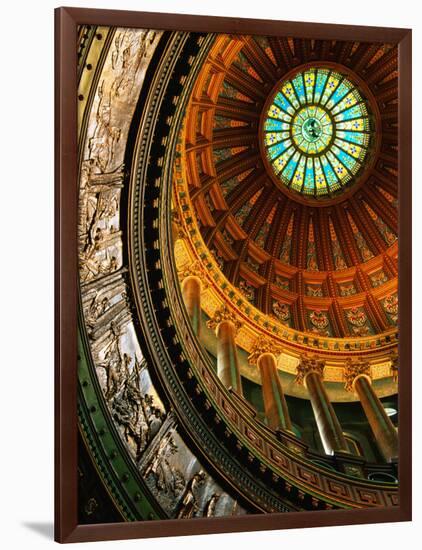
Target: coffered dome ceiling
(292, 172)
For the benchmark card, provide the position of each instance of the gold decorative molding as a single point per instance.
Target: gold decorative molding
(352, 370)
(308, 364)
(179, 231)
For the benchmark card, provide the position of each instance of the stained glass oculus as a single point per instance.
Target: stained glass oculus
(316, 132)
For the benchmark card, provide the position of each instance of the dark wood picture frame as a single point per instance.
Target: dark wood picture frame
(66, 296)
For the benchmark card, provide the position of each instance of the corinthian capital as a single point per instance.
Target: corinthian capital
(394, 357)
(308, 364)
(262, 345)
(193, 270)
(352, 370)
(223, 314)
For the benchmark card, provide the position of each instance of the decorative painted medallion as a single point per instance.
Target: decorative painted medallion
(316, 132)
(281, 311)
(320, 322)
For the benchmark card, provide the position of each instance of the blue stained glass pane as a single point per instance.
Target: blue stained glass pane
(353, 112)
(297, 181)
(309, 174)
(272, 125)
(276, 150)
(339, 93)
(344, 158)
(354, 137)
(309, 78)
(319, 85)
(280, 162)
(300, 89)
(283, 103)
(330, 175)
(332, 83)
(291, 167)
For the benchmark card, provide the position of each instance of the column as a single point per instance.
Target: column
(276, 411)
(357, 375)
(310, 373)
(191, 292)
(226, 326)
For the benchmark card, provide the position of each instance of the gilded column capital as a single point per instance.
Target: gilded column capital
(352, 370)
(260, 346)
(223, 314)
(394, 358)
(194, 269)
(308, 364)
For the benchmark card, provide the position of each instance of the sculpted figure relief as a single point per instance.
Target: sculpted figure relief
(167, 479)
(189, 507)
(211, 505)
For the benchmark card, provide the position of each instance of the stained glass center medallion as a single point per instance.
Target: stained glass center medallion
(316, 132)
(312, 129)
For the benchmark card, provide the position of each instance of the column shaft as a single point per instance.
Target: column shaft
(328, 425)
(227, 361)
(275, 404)
(381, 425)
(191, 291)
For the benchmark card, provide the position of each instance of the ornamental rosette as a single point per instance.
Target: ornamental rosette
(307, 365)
(353, 370)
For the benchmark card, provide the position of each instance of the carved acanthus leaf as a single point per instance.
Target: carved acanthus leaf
(193, 270)
(354, 369)
(223, 314)
(308, 364)
(262, 345)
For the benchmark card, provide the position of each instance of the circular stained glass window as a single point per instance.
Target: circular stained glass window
(316, 132)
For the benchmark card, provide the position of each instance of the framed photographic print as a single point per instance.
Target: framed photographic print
(233, 263)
